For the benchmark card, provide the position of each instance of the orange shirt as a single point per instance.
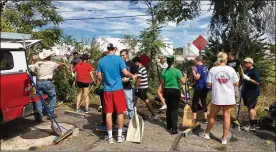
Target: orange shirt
(82, 70)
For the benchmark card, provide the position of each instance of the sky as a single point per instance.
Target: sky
(116, 27)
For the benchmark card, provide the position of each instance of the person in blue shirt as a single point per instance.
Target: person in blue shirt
(200, 89)
(110, 69)
(251, 90)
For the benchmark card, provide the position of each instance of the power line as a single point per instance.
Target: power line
(102, 10)
(92, 18)
(98, 10)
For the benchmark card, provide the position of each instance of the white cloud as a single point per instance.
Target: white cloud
(132, 25)
(203, 26)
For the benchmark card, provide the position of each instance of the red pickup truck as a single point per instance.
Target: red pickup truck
(16, 98)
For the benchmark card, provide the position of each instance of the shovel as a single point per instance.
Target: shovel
(135, 128)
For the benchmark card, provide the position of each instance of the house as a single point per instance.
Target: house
(190, 51)
(118, 42)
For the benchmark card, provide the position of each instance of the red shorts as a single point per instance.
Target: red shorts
(114, 99)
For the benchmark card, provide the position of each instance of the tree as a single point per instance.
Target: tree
(269, 14)
(176, 10)
(131, 41)
(236, 20)
(26, 16)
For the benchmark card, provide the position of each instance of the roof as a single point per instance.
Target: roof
(6, 45)
(15, 36)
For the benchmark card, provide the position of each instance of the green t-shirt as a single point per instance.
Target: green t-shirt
(171, 78)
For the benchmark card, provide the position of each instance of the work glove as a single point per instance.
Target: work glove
(131, 79)
(97, 91)
(245, 77)
(73, 74)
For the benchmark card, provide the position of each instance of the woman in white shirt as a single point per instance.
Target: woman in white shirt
(222, 80)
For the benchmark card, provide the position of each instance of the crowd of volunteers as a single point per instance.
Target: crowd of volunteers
(120, 82)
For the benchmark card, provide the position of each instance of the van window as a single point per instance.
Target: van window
(6, 60)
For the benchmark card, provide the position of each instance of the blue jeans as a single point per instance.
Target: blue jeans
(129, 100)
(47, 87)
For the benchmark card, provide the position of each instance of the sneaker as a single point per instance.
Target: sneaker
(204, 135)
(87, 111)
(100, 108)
(163, 107)
(252, 128)
(79, 110)
(205, 121)
(223, 141)
(109, 140)
(174, 131)
(153, 117)
(120, 139)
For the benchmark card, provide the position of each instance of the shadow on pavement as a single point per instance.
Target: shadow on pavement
(16, 127)
(265, 134)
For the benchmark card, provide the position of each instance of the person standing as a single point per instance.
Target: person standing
(236, 64)
(128, 89)
(100, 92)
(222, 80)
(170, 83)
(251, 90)
(44, 72)
(141, 86)
(74, 62)
(200, 90)
(84, 72)
(163, 65)
(110, 69)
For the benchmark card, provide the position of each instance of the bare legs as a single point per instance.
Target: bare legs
(226, 115)
(83, 92)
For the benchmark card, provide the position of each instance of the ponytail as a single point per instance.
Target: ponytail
(170, 61)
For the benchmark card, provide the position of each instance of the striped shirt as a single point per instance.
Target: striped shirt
(143, 74)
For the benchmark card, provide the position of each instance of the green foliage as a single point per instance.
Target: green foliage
(63, 81)
(49, 36)
(176, 10)
(25, 16)
(5, 26)
(236, 20)
(238, 26)
(178, 51)
(253, 48)
(150, 40)
(131, 41)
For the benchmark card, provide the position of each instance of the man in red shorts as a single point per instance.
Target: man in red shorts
(110, 70)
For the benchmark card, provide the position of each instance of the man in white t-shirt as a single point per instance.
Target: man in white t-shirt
(44, 72)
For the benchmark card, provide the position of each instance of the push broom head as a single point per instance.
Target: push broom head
(74, 114)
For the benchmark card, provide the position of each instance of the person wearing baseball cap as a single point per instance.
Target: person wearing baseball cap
(251, 90)
(76, 59)
(110, 69)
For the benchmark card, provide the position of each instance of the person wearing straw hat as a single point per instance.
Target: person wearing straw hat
(251, 90)
(44, 70)
(84, 72)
